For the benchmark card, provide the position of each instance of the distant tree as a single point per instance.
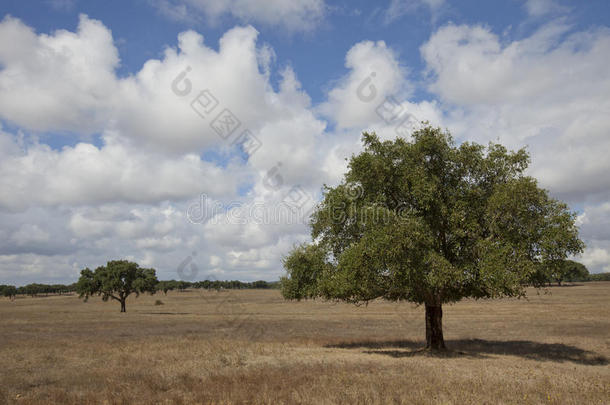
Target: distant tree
(34, 289)
(9, 291)
(430, 222)
(260, 284)
(166, 286)
(558, 271)
(574, 271)
(600, 277)
(182, 285)
(117, 280)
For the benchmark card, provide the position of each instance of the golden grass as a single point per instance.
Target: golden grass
(239, 347)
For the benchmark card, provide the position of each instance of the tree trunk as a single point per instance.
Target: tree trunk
(123, 305)
(434, 327)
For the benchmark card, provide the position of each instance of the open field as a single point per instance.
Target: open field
(235, 347)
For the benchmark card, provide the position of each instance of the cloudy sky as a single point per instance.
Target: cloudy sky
(193, 135)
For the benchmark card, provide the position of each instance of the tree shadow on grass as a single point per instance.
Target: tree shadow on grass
(478, 348)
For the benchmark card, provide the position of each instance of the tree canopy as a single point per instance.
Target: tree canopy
(430, 222)
(117, 280)
(569, 270)
(8, 291)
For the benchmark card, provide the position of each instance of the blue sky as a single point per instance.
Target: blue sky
(100, 159)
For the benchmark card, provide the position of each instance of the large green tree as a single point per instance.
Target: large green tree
(117, 280)
(430, 222)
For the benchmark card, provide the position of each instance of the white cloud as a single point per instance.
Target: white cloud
(290, 15)
(539, 8)
(67, 82)
(30, 233)
(146, 118)
(594, 225)
(86, 174)
(374, 74)
(597, 259)
(58, 82)
(147, 108)
(127, 196)
(545, 91)
(595, 221)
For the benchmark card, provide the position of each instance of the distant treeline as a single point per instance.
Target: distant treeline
(598, 277)
(36, 289)
(564, 270)
(170, 285)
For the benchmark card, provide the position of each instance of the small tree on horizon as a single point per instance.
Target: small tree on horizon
(572, 271)
(9, 291)
(117, 280)
(429, 222)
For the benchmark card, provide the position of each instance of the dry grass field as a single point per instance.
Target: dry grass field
(241, 347)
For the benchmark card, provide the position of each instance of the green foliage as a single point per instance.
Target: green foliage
(170, 285)
(559, 271)
(234, 284)
(117, 280)
(600, 277)
(573, 271)
(307, 263)
(430, 222)
(166, 286)
(9, 291)
(35, 289)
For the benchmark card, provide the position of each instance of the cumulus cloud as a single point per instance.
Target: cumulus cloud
(539, 8)
(86, 174)
(128, 195)
(374, 74)
(66, 82)
(159, 109)
(594, 223)
(57, 82)
(148, 106)
(547, 91)
(291, 15)
(597, 258)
